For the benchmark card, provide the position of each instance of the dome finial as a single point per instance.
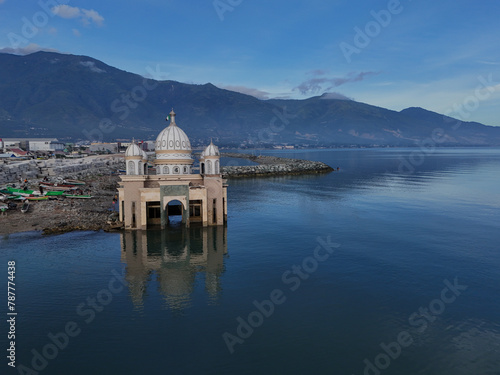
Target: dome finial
(171, 117)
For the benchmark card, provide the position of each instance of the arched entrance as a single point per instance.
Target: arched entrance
(174, 211)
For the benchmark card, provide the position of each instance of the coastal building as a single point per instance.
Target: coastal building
(45, 145)
(172, 190)
(18, 153)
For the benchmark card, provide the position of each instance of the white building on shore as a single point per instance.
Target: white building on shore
(35, 144)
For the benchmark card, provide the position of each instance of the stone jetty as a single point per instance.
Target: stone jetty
(272, 166)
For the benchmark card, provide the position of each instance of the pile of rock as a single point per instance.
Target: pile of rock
(38, 169)
(273, 166)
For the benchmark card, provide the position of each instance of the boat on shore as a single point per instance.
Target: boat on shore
(21, 192)
(39, 198)
(75, 182)
(25, 207)
(78, 196)
(55, 186)
(52, 193)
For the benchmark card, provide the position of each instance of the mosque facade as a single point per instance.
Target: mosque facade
(149, 200)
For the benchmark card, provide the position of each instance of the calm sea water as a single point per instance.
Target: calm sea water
(388, 266)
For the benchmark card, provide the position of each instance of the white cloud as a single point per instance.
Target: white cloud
(87, 16)
(92, 15)
(317, 84)
(66, 11)
(30, 48)
(76, 32)
(52, 31)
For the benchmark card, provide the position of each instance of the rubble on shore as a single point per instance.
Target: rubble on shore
(61, 215)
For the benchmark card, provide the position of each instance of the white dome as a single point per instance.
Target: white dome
(211, 151)
(133, 151)
(172, 138)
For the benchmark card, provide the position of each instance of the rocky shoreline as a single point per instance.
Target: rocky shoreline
(63, 215)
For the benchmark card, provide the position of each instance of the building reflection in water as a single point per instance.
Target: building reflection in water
(176, 257)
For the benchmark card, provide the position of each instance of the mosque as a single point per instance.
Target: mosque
(148, 200)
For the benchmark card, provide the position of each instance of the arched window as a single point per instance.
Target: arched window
(202, 168)
(185, 170)
(176, 170)
(131, 167)
(209, 167)
(140, 167)
(217, 167)
(166, 170)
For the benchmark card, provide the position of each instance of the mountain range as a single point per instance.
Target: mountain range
(71, 97)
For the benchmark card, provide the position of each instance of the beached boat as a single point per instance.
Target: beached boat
(54, 193)
(25, 207)
(78, 196)
(44, 198)
(21, 192)
(75, 182)
(60, 187)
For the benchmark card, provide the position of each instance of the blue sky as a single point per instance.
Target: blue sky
(440, 55)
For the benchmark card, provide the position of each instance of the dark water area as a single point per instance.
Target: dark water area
(388, 266)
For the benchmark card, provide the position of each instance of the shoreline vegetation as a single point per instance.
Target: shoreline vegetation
(64, 215)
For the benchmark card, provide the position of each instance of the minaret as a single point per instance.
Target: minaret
(134, 160)
(210, 160)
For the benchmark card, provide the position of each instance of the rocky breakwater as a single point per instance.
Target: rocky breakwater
(272, 166)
